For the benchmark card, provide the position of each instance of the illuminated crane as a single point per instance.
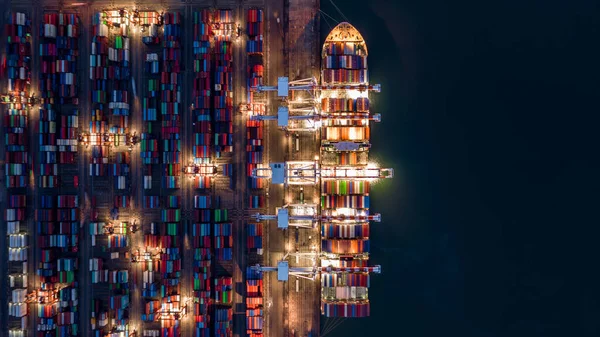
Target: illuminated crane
(206, 170)
(307, 216)
(139, 256)
(122, 228)
(20, 99)
(311, 85)
(284, 270)
(109, 138)
(309, 172)
(312, 116)
(283, 217)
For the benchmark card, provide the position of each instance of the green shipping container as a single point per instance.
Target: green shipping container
(66, 277)
(220, 215)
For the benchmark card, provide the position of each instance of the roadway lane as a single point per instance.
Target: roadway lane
(187, 289)
(239, 184)
(136, 172)
(277, 151)
(83, 160)
(85, 189)
(304, 47)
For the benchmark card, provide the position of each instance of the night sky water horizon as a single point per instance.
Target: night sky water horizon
(488, 118)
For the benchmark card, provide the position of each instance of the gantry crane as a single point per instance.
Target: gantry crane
(311, 85)
(139, 256)
(110, 227)
(311, 115)
(309, 172)
(108, 138)
(172, 313)
(46, 296)
(206, 170)
(283, 218)
(20, 99)
(284, 270)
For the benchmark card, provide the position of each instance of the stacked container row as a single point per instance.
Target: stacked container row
(255, 29)
(254, 302)
(254, 237)
(223, 82)
(18, 57)
(202, 88)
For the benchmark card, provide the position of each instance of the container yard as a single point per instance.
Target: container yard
(135, 145)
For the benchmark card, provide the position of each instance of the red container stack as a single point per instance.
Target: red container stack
(254, 303)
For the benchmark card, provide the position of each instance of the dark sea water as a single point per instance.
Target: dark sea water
(490, 122)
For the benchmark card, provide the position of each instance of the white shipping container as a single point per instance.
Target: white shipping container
(22, 73)
(20, 19)
(153, 31)
(125, 43)
(13, 227)
(121, 182)
(114, 255)
(102, 30)
(69, 78)
(16, 333)
(48, 148)
(17, 309)
(16, 241)
(118, 105)
(147, 182)
(95, 264)
(19, 295)
(49, 30)
(11, 214)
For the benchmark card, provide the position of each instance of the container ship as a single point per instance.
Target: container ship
(345, 144)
